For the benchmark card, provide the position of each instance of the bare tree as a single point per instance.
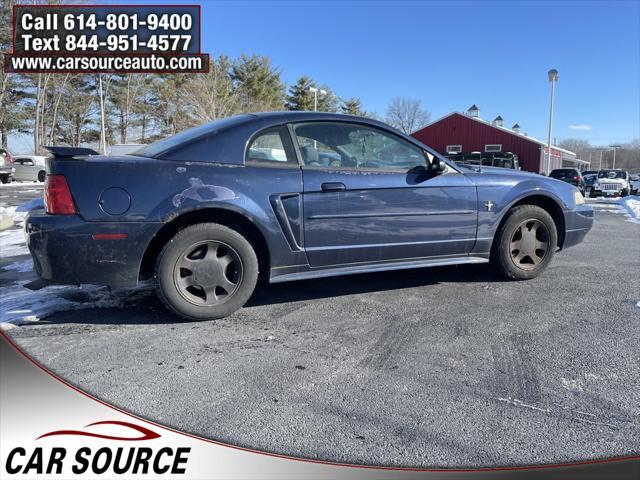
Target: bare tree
(77, 108)
(125, 93)
(213, 96)
(407, 114)
(577, 145)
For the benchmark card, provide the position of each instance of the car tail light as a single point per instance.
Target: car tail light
(576, 178)
(57, 196)
(10, 158)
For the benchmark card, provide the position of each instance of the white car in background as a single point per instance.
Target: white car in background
(29, 168)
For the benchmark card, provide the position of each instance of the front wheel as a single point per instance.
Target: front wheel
(624, 192)
(4, 179)
(206, 271)
(525, 243)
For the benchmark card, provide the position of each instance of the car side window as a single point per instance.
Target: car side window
(271, 147)
(25, 161)
(339, 144)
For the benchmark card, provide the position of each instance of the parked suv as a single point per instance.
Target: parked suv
(615, 183)
(6, 166)
(569, 175)
(492, 159)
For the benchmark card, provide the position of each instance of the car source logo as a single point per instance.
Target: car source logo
(118, 457)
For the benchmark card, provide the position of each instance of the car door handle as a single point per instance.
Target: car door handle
(333, 187)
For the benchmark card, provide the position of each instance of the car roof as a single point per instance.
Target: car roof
(297, 116)
(305, 116)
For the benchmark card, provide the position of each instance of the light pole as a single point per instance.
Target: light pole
(600, 167)
(553, 78)
(615, 147)
(315, 92)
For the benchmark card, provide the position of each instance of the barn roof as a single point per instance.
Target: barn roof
(498, 127)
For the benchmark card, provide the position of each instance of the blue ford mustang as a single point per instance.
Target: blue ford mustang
(291, 195)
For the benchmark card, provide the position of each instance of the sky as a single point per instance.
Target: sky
(452, 54)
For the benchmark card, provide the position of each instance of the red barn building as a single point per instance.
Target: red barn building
(459, 132)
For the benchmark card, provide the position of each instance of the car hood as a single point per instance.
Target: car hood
(612, 180)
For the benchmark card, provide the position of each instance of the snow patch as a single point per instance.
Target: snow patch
(631, 206)
(25, 266)
(21, 306)
(12, 243)
(15, 184)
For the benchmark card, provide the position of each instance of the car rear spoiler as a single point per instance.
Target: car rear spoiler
(70, 152)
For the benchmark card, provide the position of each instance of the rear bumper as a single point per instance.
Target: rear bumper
(64, 250)
(578, 222)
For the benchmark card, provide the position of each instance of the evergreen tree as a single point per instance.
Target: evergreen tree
(299, 97)
(259, 83)
(329, 102)
(352, 106)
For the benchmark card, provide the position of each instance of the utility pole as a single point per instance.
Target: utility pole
(553, 78)
(615, 147)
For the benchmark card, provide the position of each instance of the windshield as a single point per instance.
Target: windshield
(612, 174)
(156, 148)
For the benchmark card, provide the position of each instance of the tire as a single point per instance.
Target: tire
(228, 271)
(515, 252)
(592, 194)
(4, 179)
(624, 192)
(42, 175)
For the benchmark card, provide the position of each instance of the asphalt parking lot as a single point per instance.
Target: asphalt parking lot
(431, 367)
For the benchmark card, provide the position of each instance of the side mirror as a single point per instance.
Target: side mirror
(437, 165)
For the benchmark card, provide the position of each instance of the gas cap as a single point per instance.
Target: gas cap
(115, 201)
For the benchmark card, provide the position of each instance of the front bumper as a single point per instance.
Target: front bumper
(578, 222)
(614, 190)
(64, 250)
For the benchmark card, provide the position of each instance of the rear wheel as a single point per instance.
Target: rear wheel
(41, 175)
(525, 243)
(206, 271)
